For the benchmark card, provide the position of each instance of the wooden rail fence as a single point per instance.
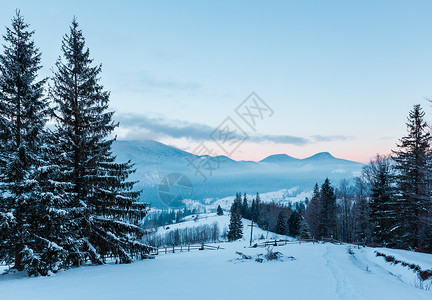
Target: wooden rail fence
(281, 242)
(313, 241)
(185, 248)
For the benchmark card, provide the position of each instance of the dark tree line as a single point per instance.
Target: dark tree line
(390, 204)
(268, 216)
(166, 217)
(184, 236)
(337, 213)
(64, 199)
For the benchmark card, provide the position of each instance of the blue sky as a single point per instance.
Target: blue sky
(340, 76)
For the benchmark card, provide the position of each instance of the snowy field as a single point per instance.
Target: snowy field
(222, 222)
(318, 271)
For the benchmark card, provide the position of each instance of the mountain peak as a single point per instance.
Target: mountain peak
(278, 158)
(321, 156)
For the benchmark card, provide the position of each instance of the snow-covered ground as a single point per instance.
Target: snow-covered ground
(318, 271)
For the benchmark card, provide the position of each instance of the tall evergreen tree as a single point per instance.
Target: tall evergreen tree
(235, 231)
(255, 210)
(313, 212)
(345, 195)
(413, 177)
(304, 230)
(245, 208)
(104, 212)
(294, 223)
(281, 223)
(327, 226)
(23, 114)
(379, 174)
(361, 211)
(238, 201)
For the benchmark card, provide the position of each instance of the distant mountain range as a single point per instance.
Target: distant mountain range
(218, 177)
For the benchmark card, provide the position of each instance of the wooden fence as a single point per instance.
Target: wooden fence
(313, 241)
(283, 242)
(186, 248)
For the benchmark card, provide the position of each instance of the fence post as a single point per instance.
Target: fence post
(173, 248)
(189, 247)
(165, 250)
(181, 248)
(313, 240)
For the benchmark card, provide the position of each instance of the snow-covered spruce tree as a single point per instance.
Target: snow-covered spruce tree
(245, 208)
(235, 226)
(219, 211)
(105, 215)
(361, 211)
(304, 230)
(379, 174)
(23, 114)
(313, 212)
(281, 223)
(413, 178)
(238, 201)
(255, 210)
(294, 223)
(327, 226)
(345, 225)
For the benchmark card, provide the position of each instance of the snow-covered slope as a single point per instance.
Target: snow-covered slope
(154, 161)
(222, 223)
